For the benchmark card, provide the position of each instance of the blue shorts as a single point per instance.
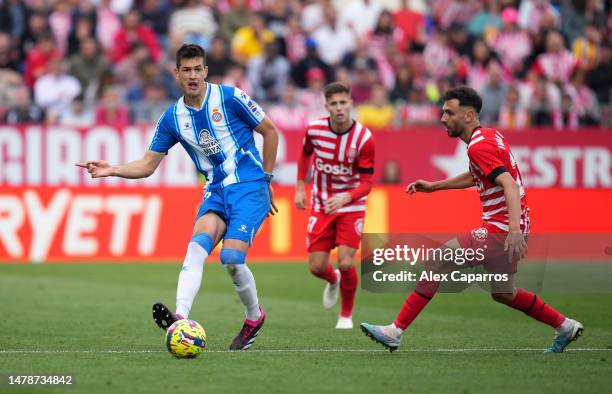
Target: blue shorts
(242, 206)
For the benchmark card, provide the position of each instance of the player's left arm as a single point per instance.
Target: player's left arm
(270, 145)
(254, 116)
(487, 156)
(366, 175)
(515, 243)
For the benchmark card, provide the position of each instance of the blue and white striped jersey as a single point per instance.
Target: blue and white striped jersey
(218, 137)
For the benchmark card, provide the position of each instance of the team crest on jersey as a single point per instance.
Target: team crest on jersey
(217, 116)
(208, 143)
(359, 226)
(480, 234)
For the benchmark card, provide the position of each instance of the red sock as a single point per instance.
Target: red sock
(533, 306)
(348, 289)
(413, 305)
(327, 274)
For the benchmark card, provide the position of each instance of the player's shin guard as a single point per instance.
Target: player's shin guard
(533, 306)
(234, 262)
(190, 276)
(412, 307)
(348, 289)
(328, 274)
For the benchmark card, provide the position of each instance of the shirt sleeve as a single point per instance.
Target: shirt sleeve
(366, 157)
(247, 109)
(304, 159)
(365, 166)
(165, 136)
(308, 147)
(487, 157)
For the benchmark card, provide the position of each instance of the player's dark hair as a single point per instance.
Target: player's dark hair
(336, 87)
(467, 97)
(189, 51)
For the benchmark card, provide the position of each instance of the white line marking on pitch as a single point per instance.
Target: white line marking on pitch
(473, 350)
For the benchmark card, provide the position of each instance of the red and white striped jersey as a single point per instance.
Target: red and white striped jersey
(490, 156)
(339, 159)
(557, 65)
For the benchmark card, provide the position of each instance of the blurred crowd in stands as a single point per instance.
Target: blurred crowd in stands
(535, 62)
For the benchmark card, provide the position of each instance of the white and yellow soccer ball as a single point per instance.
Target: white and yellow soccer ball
(185, 339)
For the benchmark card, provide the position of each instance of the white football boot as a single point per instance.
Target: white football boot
(331, 292)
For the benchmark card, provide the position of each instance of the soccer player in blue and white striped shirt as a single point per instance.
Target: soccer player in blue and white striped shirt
(214, 124)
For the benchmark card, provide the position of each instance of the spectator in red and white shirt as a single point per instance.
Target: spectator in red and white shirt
(448, 12)
(295, 40)
(583, 99)
(511, 44)
(557, 63)
(108, 24)
(60, 22)
(477, 68)
(440, 58)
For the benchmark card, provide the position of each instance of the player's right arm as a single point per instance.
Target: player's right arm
(163, 139)
(461, 181)
(303, 166)
(140, 168)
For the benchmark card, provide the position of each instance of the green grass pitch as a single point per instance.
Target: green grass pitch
(94, 321)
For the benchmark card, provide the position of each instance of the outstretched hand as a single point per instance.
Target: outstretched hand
(97, 168)
(420, 186)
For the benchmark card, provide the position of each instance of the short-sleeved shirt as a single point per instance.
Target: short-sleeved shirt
(339, 159)
(218, 136)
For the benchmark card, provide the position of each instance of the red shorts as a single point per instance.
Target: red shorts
(491, 240)
(324, 232)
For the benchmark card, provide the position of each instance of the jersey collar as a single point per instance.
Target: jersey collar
(342, 132)
(203, 101)
(473, 131)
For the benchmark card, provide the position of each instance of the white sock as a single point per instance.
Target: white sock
(395, 330)
(190, 278)
(245, 287)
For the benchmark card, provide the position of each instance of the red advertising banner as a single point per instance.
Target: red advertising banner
(45, 156)
(148, 224)
(547, 158)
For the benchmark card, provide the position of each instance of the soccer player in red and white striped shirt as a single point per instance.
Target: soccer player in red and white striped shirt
(343, 167)
(502, 235)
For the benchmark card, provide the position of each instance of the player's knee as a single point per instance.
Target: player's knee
(232, 256)
(345, 262)
(503, 298)
(316, 269)
(317, 264)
